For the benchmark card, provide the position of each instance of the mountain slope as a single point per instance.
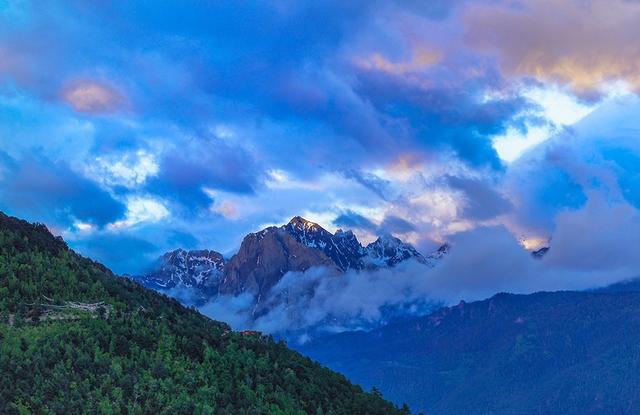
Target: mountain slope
(74, 338)
(544, 353)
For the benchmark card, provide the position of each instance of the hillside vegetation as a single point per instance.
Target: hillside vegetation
(76, 339)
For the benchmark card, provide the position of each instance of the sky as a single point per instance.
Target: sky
(132, 128)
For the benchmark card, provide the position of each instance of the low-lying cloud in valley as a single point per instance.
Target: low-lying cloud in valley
(573, 194)
(481, 262)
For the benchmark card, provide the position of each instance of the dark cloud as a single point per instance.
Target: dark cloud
(390, 224)
(185, 174)
(50, 191)
(352, 220)
(482, 200)
(270, 66)
(394, 225)
(378, 186)
(438, 119)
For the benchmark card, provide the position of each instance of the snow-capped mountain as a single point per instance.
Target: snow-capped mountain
(266, 256)
(347, 253)
(200, 269)
(388, 251)
(342, 247)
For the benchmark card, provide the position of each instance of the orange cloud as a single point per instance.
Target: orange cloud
(92, 97)
(583, 43)
(420, 60)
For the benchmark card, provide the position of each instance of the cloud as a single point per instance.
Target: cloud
(185, 174)
(420, 60)
(375, 184)
(319, 300)
(270, 80)
(385, 109)
(42, 189)
(482, 261)
(142, 209)
(390, 224)
(350, 220)
(232, 310)
(481, 200)
(396, 225)
(582, 43)
(181, 239)
(602, 236)
(92, 97)
(593, 158)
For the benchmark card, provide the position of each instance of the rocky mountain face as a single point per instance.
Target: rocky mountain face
(201, 269)
(265, 257)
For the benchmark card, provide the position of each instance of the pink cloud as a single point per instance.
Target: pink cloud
(584, 44)
(92, 97)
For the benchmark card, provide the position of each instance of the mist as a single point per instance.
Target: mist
(587, 251)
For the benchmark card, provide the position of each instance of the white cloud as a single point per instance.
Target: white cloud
(141, 209)
(129, 169)
(558, 108)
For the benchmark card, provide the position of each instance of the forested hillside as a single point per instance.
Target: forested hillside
(75, 339)
(544, 353)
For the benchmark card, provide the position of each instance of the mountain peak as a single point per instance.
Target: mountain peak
(344, 234)
(303, 229)
(388, 250)
(388, 239)
(302, 223)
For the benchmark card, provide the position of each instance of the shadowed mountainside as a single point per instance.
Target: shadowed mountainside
(544, 353)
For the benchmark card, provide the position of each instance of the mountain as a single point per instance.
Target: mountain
(74, 338)
(389, 251)
(342, 247)
(266, 256)
(543, 353)
(200, 269)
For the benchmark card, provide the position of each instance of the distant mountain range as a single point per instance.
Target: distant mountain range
(544, 353)
(266, 256)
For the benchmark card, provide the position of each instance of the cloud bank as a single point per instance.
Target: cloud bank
(167, 126)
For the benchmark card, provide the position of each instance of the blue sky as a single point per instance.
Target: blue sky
(131, 128)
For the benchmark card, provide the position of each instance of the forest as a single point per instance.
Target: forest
(75, 338)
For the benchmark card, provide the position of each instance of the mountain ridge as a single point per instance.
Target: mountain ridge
(264, 257)
(563, 352)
